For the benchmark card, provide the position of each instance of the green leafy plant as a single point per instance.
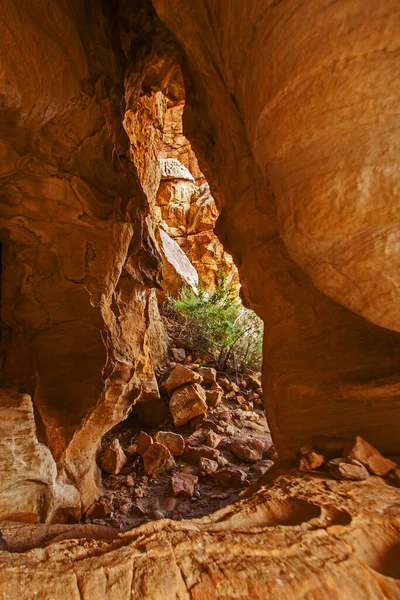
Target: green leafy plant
(218, 323)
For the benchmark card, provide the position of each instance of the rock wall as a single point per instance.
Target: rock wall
(301, 162)
(295, 129)
(80, 331)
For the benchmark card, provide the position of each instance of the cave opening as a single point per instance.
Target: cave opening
(200, 438)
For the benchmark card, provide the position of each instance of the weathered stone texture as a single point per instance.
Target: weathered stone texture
(295, 128)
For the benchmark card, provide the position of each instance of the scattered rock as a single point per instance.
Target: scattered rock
(197, 438)
(230, 477)
(143, 441)
(368, 456)
(222, 461)
(182, 484)
(227, 384)
(248, 449)
(158, 459)
(186, 403)
(230, 395)
(224, 415)
(253, 381)
(99, 510)
(311, 461)
(240, 399)
(347, 468)
(131, 451)
(261, 467)
(130, 480)
(208, 466)
(213, 397)
(208, 374)
(178, 354)
(330, 447)
(207, 423)
(193, 455)
(114, 458)
(213, 439)
(180, 376)
(173, 441)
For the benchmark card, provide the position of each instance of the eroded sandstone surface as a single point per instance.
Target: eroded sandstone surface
(295, 128)
(305, 536)
(292, 109)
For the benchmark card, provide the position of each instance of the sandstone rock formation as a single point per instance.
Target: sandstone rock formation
(295, 129)
(251, 550)
(292, 109)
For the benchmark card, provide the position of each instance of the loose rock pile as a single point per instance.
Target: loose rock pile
(213, 443)
(350, 459)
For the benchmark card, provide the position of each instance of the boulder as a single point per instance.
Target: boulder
(193, 455)
(213, 439)
(311, 461)
(177, 270)
(178, 354)
(173, 441)
(99, 510)
(142, 442)
(172, 168)
(209, 375)
(230, 477)
(213, 397)
(208, 466)
(186, 403)
(182, 485)
(253, 381)
(367, 455)
(248, 449)
(180, 376)
(114, 458)
(347, 468)
(158, 459)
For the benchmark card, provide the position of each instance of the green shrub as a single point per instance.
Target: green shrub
(218, 323)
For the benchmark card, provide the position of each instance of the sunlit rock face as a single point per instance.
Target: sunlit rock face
(80, 331)
(295, 128)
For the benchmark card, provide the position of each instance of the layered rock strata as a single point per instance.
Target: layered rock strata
(295, 128)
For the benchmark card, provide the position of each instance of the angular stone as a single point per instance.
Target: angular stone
(173, 441)
(142, 442)
(311, 461)
(209, 375)
(197, 438)
(180, 376)
(186, 403)
(182, 485)
(193, 455)
(213, 397)
(99, 510)
(158, 459)
(114, 458)
(131, 451)
(213, 439)
(177, 270)
(178, 354)
(228, 385)
(347, 468)
(208, 466)
(370, 457)
(261, 467)
(230, 477)
(253, 381)
(248, 449)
